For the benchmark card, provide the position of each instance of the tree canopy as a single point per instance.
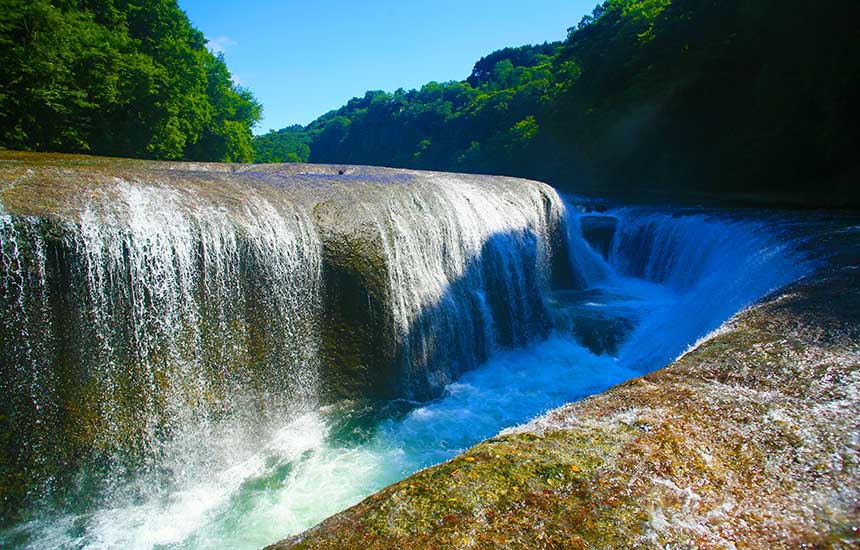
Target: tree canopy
(730, 96)
(126, 78)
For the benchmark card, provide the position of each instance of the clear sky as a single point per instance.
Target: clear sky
(303, 58)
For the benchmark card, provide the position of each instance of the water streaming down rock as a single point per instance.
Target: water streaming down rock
(148, 318)
(426, 273)
(589, 267)
(704, 266)
(189, 318)
(153, 312)
(467, 268)
(603, 312)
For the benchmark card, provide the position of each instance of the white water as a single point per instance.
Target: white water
(674, 278)
(467, 264)
(152, 285)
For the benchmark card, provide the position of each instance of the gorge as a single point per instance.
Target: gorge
(221, 356)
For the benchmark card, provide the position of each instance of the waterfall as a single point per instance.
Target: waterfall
(467, 268)
(590, 268)
(151, 321)
(178, 343)
(691, 269)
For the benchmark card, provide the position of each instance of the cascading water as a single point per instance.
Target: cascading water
(466, 268)
(710, 265)
(133, 343)
(464, 273)
(161, 329)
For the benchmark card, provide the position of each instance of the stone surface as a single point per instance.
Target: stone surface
(138, 298)
(599, 231)
(751, 440)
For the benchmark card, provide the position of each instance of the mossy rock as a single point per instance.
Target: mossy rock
(89, 415)
(748, 441)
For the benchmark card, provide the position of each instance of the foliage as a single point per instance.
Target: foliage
(117, 77)
(724, 97)
(289, 144)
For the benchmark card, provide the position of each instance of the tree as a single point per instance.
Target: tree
(720, 97)
(117, 77)
(286, 145)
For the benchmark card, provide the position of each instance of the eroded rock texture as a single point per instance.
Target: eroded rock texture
(751, 440)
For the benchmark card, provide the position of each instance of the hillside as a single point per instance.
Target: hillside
(738, 100)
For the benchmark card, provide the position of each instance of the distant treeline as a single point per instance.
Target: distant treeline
(737, 96)
(129, 78)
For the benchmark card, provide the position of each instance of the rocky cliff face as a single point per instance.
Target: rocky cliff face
(145, 304)
(750, 440)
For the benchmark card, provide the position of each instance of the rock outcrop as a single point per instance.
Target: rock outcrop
(749, 440)
(145, 302)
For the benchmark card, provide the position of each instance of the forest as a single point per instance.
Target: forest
(748, 98)
(127, 78)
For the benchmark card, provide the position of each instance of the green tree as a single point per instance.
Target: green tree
(286, 145)
(727, 97)
(117, 77)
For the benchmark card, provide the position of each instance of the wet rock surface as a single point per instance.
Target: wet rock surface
(142, 298)
(750, 440)
(599, 231)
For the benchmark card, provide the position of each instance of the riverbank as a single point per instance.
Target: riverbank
(752, 440)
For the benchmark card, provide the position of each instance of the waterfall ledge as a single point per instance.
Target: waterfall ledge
(150, 306)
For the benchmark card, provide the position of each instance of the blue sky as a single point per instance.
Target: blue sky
(304, 58)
